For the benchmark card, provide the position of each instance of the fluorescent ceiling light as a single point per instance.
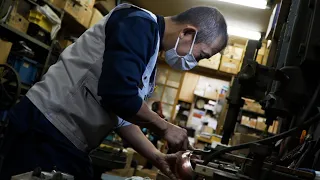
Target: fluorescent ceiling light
(254, 35)
(260, 4)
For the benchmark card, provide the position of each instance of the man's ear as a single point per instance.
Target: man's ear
(188, 30)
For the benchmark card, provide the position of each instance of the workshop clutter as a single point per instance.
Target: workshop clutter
(80, 10)
(17, 21)
(40, 19)
(105, 6)
(27, 68)
(253, 106)
(229, 65)
(86, 3)
(234, 52)
(212, 63)
(96, 17)
(262, 56)
(5, 47)
(232, 59)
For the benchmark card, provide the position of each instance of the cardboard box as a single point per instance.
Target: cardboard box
(85, 17)
(87, 3)
(253, 122)
(261, 125)
(207, 129)
(59, 3)
(262, 50)
(65, 43)
(105, 6)
(18, 22)
(96, 17)
(5, 47)
(80, 13)
(259, 59)
(229, 65)
(233, 52)
(212, 63)
(73, 8)
(275, 127)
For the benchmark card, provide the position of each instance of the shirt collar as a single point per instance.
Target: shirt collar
(162, 26)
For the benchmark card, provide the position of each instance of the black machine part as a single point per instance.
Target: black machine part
(4, 7)
(10, 86)
(283, 90)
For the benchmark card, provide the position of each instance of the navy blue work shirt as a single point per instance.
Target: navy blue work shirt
(130, 43)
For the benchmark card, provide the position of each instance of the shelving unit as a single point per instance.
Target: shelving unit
(247, 112)
(43, 50)
(23, 36)
(250, 114)
(254, 129)
(213, 73)
(47, 2)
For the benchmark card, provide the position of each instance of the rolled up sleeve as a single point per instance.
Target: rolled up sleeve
(129, 46)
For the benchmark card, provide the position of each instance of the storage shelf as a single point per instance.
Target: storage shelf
(254, 129)
(53, 6)
(204, 71)
(244, 111)
(162, 84)
(60, 11)
(25, 36)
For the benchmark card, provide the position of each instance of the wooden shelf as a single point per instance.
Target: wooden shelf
(24, 36)
(204, 71)
(161, 84)
(53, 7)
(206, 97)
(254, 129)
(245, 111)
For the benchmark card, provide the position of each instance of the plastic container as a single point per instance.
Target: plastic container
(40, 19)
(26, 68)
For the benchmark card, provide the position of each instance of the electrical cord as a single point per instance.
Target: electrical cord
(263, 141)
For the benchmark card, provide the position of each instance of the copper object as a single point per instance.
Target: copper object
(183, 166)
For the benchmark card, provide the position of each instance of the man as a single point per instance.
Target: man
(98, 85)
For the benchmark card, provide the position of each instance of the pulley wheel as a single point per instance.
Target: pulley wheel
(4, 7)
(10, 86)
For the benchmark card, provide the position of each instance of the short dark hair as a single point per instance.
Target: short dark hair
(210, 22)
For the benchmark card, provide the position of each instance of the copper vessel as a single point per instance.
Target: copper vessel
(184, 167)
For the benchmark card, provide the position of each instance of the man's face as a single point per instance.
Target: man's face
(200, 50)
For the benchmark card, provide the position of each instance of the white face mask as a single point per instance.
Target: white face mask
(177, 62)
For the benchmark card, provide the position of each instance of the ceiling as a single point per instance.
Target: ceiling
(236, 15)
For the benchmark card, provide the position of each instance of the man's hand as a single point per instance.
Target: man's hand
(166, 163)
(177, 138)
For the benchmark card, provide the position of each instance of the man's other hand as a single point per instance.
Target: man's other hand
(176, 137)
(166, 163)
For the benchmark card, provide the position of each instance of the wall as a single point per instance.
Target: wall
(236, 15)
